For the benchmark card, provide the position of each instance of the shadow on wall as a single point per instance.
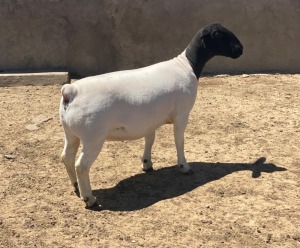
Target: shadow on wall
(145, 189)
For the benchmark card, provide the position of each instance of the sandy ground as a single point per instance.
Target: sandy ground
(242, 141)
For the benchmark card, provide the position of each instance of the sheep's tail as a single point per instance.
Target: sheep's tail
(68, 92)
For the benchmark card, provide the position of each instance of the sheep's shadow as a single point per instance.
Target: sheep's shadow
(143, 190)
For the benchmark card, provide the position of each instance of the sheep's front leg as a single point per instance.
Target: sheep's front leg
(179, 129)
(146, 159)
(83, 164)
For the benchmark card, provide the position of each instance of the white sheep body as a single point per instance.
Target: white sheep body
(131, 104)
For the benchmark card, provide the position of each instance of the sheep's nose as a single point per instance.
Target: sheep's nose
(238, 49)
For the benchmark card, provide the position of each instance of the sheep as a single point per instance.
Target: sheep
(132, 104)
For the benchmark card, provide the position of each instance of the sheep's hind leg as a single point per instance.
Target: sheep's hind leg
(89, 153)
(146, 159)
(68, 157)
(179, 129)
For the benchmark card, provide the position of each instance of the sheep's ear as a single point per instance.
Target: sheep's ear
(204, 33)
(206, 38)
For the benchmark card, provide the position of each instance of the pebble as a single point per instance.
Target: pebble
(37, 121)
(260, 74)
(40, 119)
(222, 75)
(9, 156)
(32, 127)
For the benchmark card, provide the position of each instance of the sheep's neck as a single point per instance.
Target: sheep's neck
(198, 55)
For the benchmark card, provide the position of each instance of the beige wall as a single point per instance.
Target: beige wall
(96, 36)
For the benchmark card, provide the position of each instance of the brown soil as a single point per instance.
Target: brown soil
(242, 141)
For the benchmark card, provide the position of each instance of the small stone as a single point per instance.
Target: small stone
(245, 75)
(9, 156)
(40, 119)
(32, 127)
(222, 75)
(260, 74)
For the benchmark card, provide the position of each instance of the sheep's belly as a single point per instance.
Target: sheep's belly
(121, 133)
(124, 132)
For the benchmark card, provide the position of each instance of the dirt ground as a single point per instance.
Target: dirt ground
(242, 141)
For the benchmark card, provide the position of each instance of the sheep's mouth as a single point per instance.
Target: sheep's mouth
(235, 56)
(237, 52)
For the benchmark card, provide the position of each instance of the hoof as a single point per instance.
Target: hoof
(94, 207)
(76, 189)
(148, 170)
(90, 202)
(189, 172)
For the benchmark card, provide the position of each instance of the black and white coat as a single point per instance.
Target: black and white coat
(132, 104)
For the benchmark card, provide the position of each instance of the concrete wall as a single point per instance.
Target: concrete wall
(89, 37)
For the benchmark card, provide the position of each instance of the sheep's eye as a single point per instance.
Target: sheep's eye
(217, 34)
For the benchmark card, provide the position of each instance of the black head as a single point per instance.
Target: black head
(221, 41)
(210, 41)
